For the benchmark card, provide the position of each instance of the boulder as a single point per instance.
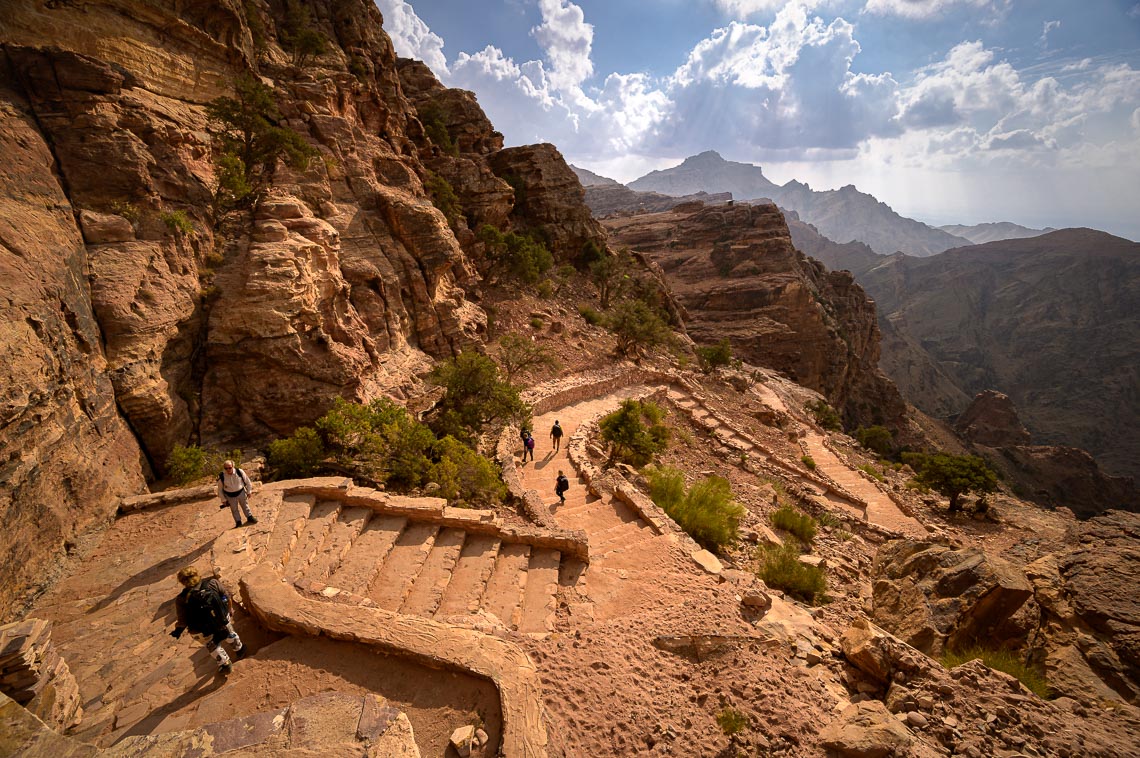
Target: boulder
(880, 654)
(935, 597)
(991, 420)
(866, 730)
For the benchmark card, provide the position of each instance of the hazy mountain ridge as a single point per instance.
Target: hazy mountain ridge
(1053, 321)
(844, 215)
(980, 234)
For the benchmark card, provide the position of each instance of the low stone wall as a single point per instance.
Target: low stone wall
(279, 606)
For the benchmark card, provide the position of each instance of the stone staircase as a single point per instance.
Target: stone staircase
(412, 566)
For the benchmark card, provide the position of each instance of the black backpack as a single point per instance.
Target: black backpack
(562, 485)
(238, 471)
(556, 430)
(206, 608)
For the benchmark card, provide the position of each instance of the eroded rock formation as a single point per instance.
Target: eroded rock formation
(735, 271)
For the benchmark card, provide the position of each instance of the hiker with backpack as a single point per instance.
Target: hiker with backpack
(556, 435)
(203, 607)
(561, 484)
(528, 447)
(234, 488)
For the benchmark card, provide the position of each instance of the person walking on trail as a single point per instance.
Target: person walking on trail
(561, 484)
(234, 488)
(528, 447)
(204, 608)
(556, 435)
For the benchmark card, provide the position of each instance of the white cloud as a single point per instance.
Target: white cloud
(411, 37)
(566, 39)
(1136, 119)
(921, 9)
(1135, 11)
(1049, 26)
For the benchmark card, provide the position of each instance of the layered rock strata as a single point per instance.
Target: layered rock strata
(738, 276)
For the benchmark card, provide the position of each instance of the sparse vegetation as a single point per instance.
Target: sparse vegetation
(248, 143)
(1006, 661)
(127, 210)
(545, 289)
(731, 721)
(825, 415)
(808, 461)
(706, 511)
(610, 274)
(519, 355)
(715, 356)
(591, 316)
(870, 471)
(637, 327)
(828, 519)
(517, 255)
(475, 396)
(443, 197)
(536, 322)
(952, 475)
(795, 522)
(590, 253)
(781, 568)
(178, 223)
(381, 442)
(298, 36)
(635, 432)
(434, 119)
(877, 439)
(186, 464)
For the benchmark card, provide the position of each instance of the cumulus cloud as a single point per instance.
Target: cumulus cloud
(566, 39)
(411, 37)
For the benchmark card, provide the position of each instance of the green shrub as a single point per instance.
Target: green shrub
(443, 197)
(519, 355)
(715, 356)
(178, 223)
(591, 316)
(566, 272)
(1000, 660)
(127, 210)
(781, 568)
(474, 397)
(521, 256)
(791, 520)
(434, 118)
(952, 475)
(590, 253)
(706, 511)
(545, 289)
(610, 274)
(876, 438)
(637, 327)
(635, 432)
(465, 476)
(825, 415)
(808, 461)
(826, 518)
(731, 721)
(185, 464)
(870, 471)
(298, 36)
(298, 455)
(536, 322)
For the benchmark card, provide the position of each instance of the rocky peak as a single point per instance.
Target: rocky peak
(992, 420)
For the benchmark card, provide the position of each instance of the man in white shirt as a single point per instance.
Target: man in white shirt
(234, 488)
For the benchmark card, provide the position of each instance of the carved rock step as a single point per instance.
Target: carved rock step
(505, 587)
(403, 565)
(341, 536)
(429, 586)
(368, 553)
(538, 601)
(469, 580)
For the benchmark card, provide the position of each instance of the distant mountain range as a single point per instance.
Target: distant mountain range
(1053, 321)
(980, 234)
(843, 215)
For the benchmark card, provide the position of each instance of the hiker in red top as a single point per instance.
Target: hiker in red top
(204, 608)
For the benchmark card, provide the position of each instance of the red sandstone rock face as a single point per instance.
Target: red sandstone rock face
(736, 273)
(991, 420)
(347, 272)
(65, 454)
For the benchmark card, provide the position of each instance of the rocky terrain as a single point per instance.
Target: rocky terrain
(141, 312)
(842, 215)
(738, 276)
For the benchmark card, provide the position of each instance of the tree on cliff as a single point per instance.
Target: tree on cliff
(519, 355)
(637, 326)
(952, 475)
(298, 36)
(248, 142)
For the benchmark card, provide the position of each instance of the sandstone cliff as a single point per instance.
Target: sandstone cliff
(737, 274)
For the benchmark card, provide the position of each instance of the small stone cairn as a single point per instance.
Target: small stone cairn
(34, 675)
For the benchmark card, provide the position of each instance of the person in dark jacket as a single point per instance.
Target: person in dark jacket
(556, 436)
(204, 608)
(561, 484)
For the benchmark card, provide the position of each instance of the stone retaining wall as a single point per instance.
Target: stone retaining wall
(279, 606)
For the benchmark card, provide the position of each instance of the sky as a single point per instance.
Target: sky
(949, 111)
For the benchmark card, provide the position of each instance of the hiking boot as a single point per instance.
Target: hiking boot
(225, 668)
(239, 653)
(237, 525)
(250, 520)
